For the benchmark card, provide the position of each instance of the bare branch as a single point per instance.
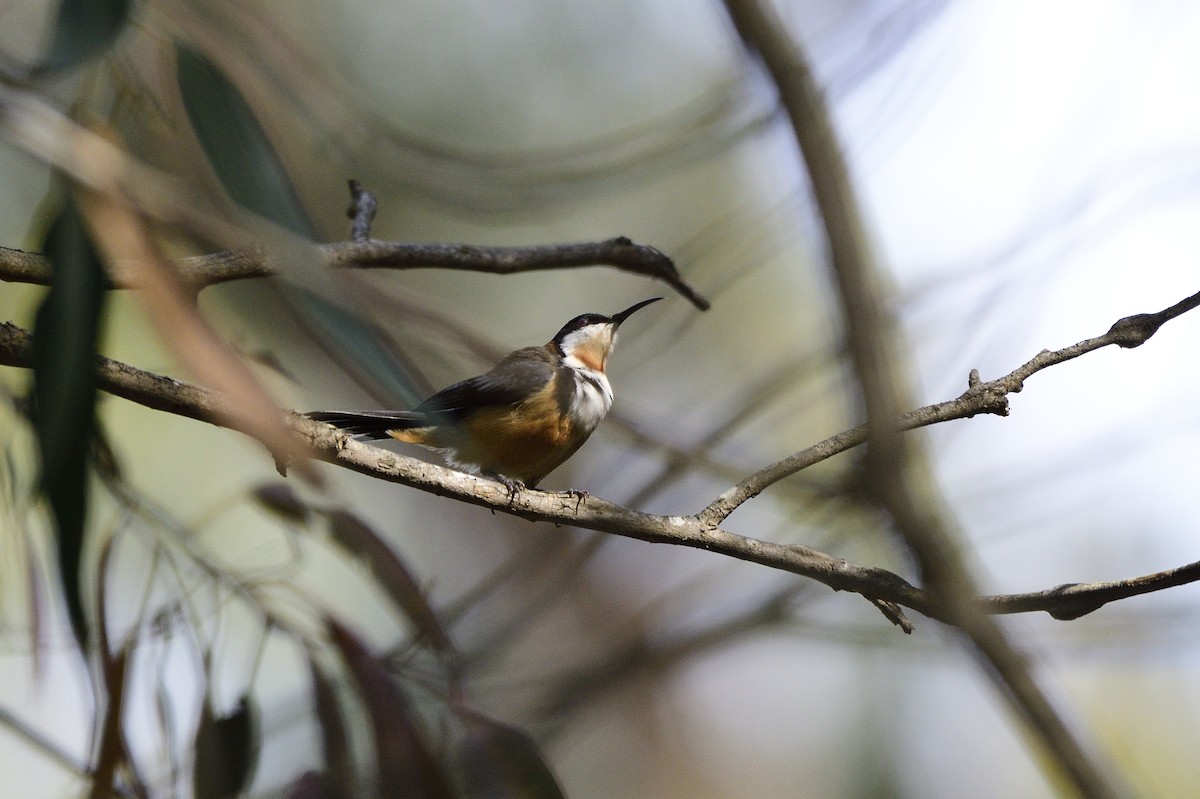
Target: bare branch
(18, 266)
(207, 270)
(1070, 601)
(619, 252)
(122, 380)
(980, 397)
(880, 586)
(893, 613)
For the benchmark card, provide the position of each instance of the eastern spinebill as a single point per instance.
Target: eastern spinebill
(521, 419)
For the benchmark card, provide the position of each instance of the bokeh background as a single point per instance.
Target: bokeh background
(1029, 172)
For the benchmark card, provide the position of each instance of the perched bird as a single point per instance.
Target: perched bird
(518, 421)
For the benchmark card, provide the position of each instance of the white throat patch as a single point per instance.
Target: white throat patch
(590, 345)
(593, 395)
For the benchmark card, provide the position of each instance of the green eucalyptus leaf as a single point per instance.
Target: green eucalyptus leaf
(64, 390)
(83, 30)
(253, 175)
(361, 348)
(236, 145)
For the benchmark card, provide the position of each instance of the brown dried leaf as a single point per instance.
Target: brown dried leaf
(404, 763)
(339, 780)
(392, 574)
(503, 762)
(283, 501)
(124, 238)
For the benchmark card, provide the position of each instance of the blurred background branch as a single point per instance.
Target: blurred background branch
(178, 621)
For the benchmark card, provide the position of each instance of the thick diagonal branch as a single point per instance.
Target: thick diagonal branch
(697, 531)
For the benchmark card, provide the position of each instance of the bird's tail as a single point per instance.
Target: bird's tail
(371, 425)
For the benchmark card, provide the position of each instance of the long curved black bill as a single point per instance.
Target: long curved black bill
(628, 312)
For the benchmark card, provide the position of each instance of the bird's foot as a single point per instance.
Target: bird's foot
(579, 495)
(514, 487)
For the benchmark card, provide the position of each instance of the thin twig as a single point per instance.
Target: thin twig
(208, 270)
(989, 397)
(50, 749)
(619, 252)
(363, 206)
(1073, 600)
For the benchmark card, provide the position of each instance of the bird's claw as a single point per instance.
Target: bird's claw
(513, 487)
(579, 495)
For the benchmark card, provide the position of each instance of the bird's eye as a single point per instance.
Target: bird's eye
(582, 321)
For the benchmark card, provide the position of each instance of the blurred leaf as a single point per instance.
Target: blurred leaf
(392, 574)
(502, 762)
(254, 176)
(85, 28)
(311, 785)
(124, 235)
(404, 764)
(339, 764)
(64, 389)
(14, 498)
(237, 147)
(226, 749)
(361, 348)
(281, 500)
(11, 495)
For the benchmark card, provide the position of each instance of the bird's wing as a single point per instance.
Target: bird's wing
(509, 382)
